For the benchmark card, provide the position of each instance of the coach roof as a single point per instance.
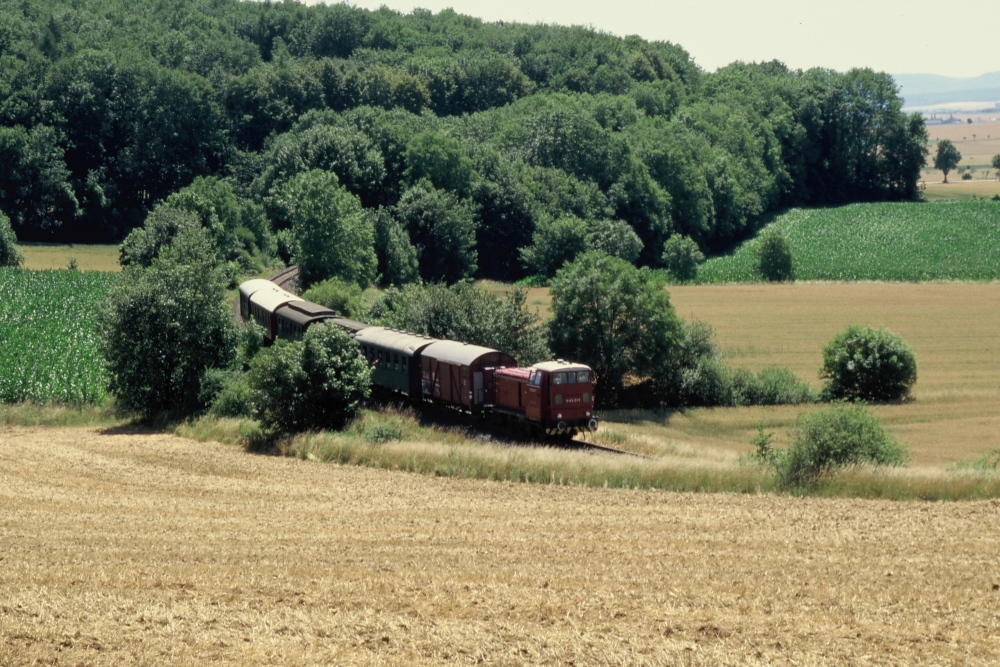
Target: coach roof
(270, 299)
(393, 339)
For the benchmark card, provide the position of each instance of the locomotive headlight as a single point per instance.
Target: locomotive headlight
(558, 415)
(588, 413)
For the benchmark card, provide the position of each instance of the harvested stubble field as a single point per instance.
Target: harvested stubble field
(129, 548)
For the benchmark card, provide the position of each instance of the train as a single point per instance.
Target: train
(551, 398)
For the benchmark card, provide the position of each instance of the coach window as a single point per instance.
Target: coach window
(395, 362)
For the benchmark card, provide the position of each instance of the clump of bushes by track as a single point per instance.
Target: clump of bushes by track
(824, 442)
(896, 241)
(49, 351)
(317, 383)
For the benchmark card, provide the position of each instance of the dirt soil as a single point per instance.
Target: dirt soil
(122, 547)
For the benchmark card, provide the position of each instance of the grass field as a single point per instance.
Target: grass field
(959, 189)
(128, 548)
(42, 256)
(900, 241)
(49, 351)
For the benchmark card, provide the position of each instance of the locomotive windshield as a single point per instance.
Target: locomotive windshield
(571, 377)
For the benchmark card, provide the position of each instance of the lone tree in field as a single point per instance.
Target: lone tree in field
(996, 164)
(774, 257)
(947, 157)
(867, 364)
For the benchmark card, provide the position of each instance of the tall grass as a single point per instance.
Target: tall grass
(897, 242)
(444, 452)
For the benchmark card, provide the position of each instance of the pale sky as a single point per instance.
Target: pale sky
(946, 37)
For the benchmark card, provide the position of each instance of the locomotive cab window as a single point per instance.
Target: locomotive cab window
(571, 377)
(558, 378)
(583, 376)
(536, 378)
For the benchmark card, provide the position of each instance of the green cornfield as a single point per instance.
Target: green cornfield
(48, 345)
(907, 242)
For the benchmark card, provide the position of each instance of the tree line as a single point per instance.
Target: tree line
(444, 147)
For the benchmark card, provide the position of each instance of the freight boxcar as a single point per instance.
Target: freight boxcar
(461, 374)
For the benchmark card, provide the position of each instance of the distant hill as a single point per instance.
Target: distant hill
(925, 90)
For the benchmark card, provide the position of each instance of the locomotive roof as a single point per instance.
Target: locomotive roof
(393, 339)
(462, 354)
(270, 299)
(560, 365)
(250, 286)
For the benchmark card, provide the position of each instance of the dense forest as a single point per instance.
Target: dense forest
(464, 148)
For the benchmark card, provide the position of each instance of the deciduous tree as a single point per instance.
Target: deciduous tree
(947, 157)
(614, 317)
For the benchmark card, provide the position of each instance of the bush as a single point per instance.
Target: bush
(707, 383)
(9, 254)
(774, 257)
(771, 386)
(868, 364)
(226, 393)
(317, 383)
(822, 442)
(337, 295)
(681, 257)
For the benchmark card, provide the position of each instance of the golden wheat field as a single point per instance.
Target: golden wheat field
(125, 548)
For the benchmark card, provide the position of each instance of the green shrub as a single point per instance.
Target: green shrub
(337, 295)
(9, 254)
(317, 383)
(868, 364)
(774, 257)
(681, 257)
(226, 393)
(771, 386)
(706, 383)
(822, 442)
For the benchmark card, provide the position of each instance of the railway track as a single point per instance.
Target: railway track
(583, 445)
(287, 279)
